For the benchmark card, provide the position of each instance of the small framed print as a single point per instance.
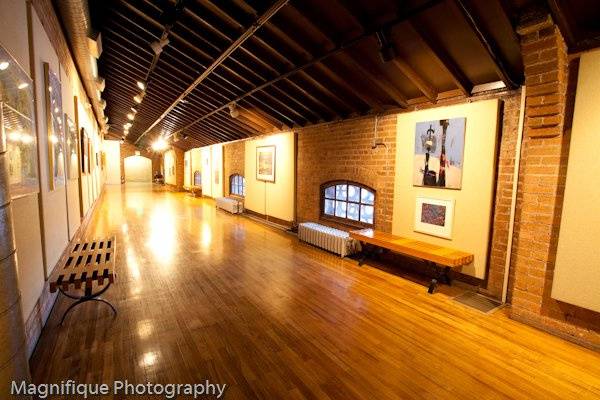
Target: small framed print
(434, 216)
(265, 163)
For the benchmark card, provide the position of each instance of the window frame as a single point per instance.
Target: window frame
(346, 220)
(243, 185)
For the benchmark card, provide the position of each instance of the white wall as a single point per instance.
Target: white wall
(138, 169)
(187, 168)
(216, 173)
(169, 166)
(578, 260)
(275, 199)
(205, 169)
(26, 217)
(112, 149)
(54, 203)
(473, 202)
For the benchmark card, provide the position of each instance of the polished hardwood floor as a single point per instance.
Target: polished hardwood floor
(202, 294)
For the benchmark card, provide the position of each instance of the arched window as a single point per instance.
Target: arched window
(237, 185)
(348, 202)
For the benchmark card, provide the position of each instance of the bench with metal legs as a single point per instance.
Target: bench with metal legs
(86, 264)
(88, 296)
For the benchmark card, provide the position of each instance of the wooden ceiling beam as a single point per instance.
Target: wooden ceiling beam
(366, 99)
(273, 51)
(216, 74)
(219, 60)
(444, 60)
(375, 80)
(428, 91)
(338, 49)
(487, 42)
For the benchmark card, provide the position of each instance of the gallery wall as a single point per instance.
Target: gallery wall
(577, 270)
(45, 221)
(169, 165)
(112, 149)
(26, 214)
(138, 169)
(472, 198)
(272, 199)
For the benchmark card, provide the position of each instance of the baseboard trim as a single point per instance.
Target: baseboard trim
(269, 218)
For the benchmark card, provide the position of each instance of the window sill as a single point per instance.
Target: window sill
(346, 222)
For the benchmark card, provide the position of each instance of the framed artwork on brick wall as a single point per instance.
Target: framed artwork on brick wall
(265, 163)
(434, 216)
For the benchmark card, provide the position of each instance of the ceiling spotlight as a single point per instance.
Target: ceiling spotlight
(133, 110)
(4, 65)
(130, 116)
(139, 97)
(23, 85)
(141, 85)
(157, 46)
(233, 111)
(160, 144)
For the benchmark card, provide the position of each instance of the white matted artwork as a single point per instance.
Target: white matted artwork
(434, 216)
(265, 163)
(439, 150)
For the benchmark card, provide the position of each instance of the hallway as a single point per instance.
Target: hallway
(202, 294)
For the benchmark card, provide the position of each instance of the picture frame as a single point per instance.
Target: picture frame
(439, 153)
(434, 216)
(85, 152)
(55, 130)
(72, 156)
(17, 123)
(265, 163)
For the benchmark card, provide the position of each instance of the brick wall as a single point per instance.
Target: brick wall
(342, 150)
(506, 159)
(234, 154)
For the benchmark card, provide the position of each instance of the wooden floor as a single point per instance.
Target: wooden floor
(202, 294)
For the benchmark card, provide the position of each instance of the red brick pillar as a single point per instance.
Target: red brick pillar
(544, 57)
(550, 97)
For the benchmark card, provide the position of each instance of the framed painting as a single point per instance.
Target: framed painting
(18, 127)
(434, 217)
(265, 163)
(439, 151)
(72, 142)
(84, 151)
(56, 131)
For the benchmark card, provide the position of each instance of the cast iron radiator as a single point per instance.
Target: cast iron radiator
(231, 205)
(330, 239)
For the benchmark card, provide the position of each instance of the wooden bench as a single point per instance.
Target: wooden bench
(85, 264)
(445, 257)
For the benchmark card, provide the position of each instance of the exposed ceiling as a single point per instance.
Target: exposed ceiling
(299, 62)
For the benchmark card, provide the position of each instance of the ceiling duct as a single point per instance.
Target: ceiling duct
(85, 45)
